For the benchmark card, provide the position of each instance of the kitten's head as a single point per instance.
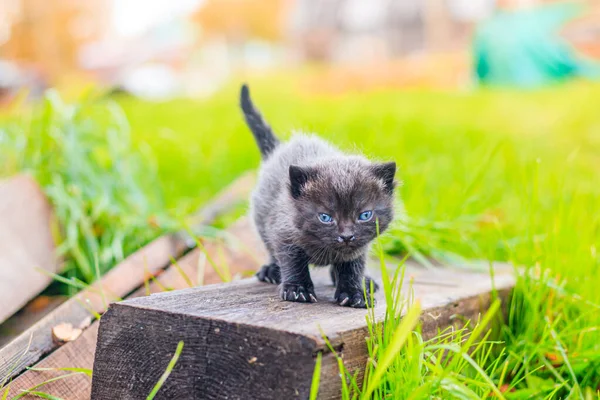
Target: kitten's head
(339, 202)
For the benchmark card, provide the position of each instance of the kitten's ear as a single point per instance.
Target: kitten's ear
(298, 178)
(386, 172)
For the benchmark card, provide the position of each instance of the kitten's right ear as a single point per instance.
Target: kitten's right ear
(298, 178)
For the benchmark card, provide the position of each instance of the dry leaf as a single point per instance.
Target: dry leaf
(65, 332)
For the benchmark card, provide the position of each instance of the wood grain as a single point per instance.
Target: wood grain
(37, 309)
(119, 282)
(80, 353)
(26, 243)
(240, 338)
(76, 354)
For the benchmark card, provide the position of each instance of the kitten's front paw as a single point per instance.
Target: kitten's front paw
(353, 297)
(297, 293)
(269, 273)
(368, 281)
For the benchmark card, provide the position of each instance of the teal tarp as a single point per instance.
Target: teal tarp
(524, 48)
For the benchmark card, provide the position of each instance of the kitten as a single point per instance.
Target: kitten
(315, 205)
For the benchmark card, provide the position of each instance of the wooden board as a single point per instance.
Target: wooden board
(80, 353)
(35, 310)
(26, 243)
(119, 282)
(76, 354)
(242, 341)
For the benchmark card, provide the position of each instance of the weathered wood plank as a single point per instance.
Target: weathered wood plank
(117, 283)
(122, 280)
(80, 352)
(37, 309)
(26, 243)
(76, 354)
(241, 339)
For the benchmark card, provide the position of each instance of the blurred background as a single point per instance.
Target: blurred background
(163, 49)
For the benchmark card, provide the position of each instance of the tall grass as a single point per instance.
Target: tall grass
(104, 189)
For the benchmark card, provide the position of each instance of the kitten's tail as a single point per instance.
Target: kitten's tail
(265, 138)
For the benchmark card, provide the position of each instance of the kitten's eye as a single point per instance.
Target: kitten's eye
(365, 216)
(325, 218)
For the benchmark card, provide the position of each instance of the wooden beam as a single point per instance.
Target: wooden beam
(29, 315)
(119, 282)
(241, 340)
(80, 353)
(76, 354)
(26, 243)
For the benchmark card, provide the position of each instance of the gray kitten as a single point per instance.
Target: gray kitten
(315, 205)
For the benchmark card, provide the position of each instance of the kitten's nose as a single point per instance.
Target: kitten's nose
(345, 238)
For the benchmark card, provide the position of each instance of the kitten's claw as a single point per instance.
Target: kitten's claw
(269, 273)
(297, 293)
(354, 297)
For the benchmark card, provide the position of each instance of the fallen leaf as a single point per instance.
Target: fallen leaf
(65, 332)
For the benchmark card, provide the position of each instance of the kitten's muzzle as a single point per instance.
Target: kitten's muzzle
(346, 238)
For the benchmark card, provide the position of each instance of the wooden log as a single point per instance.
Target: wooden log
(26, 243)
(241, 341)
(80, 353)
(122, 280)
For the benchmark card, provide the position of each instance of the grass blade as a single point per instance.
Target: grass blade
(43, 395)
(400, 336)
(32, 389)
(14, 365)
(314, 387)
(86, 371)
(167, 372)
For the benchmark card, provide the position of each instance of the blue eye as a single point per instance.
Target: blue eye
(365, 216)
(325, 218)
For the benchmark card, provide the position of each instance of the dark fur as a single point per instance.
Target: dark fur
(262, 132)
(300, 179)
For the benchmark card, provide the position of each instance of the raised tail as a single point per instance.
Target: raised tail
(265, 138)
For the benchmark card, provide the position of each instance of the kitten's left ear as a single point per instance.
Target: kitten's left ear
(386, 172)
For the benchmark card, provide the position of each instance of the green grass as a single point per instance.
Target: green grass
(494, 174)
(489, 174)
(104, 188)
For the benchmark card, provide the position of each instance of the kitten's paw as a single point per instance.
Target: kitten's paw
(297, 293)
(354, 297)
(269, 273)
(368, 281)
